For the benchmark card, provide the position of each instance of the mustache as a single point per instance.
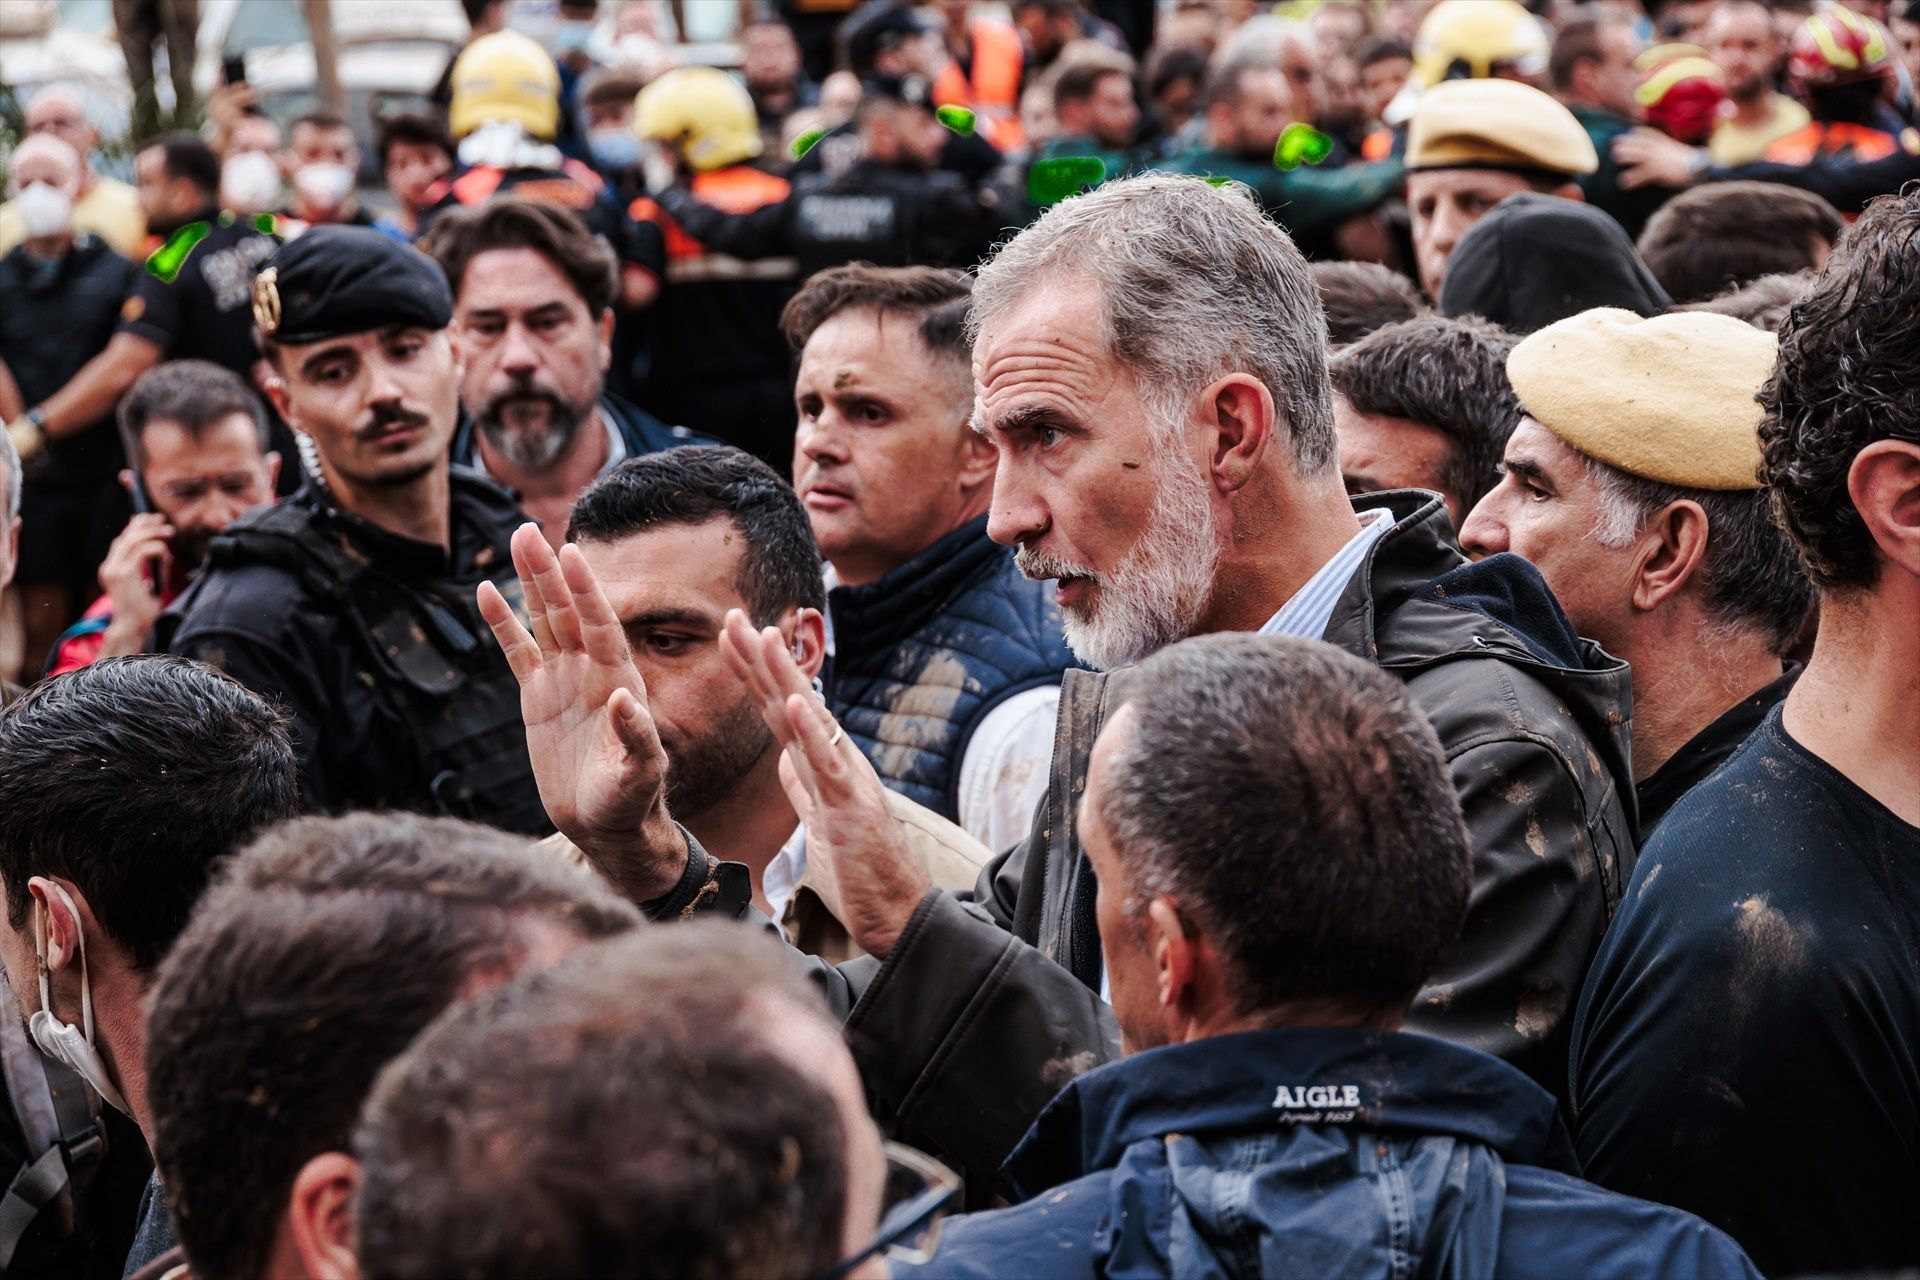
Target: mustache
(530, 393)
(1039, 565)
(388, 416)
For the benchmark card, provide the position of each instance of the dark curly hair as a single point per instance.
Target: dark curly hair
(1849, 375)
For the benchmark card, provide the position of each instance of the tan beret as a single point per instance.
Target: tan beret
(1670, 398)
(1496, 124)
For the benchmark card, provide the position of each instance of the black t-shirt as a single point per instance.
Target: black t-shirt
(1748, 1043)
(1707, 750)
(207, 312)
(59, 314)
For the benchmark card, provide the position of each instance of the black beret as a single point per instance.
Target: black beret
(334, 281)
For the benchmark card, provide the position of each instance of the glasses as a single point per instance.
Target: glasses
(919, 1189)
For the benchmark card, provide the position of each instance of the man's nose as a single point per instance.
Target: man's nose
(1483, 533)
(1019, 513)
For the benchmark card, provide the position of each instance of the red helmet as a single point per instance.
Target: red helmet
(1837, 46)
(1681, 92)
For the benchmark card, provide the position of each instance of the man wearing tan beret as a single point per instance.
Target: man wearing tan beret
(1473, 143)
(1632, 484)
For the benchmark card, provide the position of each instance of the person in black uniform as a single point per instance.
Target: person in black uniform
(352, 603)
(891, 207)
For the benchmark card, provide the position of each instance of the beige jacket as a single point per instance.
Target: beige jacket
(952, 858)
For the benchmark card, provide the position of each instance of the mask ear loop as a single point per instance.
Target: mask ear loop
(40, 950)
(40, 955)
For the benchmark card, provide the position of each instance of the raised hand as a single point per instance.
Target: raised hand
(596, 755)
(864, 873)
(127, 575)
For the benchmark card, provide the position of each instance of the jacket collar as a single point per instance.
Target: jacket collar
(1386, 1082)
(880, 614)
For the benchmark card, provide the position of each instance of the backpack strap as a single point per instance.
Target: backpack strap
(59, 1118)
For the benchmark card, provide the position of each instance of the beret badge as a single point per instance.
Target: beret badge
(266, 300)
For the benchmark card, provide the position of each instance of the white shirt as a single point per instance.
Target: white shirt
(784, 873)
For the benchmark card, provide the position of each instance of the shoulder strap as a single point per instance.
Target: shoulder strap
(57, 1115)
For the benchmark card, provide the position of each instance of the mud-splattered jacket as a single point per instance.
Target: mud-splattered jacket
(925, 653)
(1315, 1152)
(987, 1005)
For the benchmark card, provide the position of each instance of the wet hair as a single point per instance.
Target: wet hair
(1848, 376)
(1449, 374)
(458, 236)
(779, 565)
(134, 778)
(1360, 297)
(1723, 235)
(196, 394)
(621, 1113)
(1354, 899)
(322, 950)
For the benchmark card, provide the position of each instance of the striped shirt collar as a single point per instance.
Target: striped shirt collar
(1307, 614)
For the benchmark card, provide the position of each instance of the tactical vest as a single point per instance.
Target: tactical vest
(924, 654)
(431, 656)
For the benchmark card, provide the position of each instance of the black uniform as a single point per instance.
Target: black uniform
(372, 642)
(203, 314)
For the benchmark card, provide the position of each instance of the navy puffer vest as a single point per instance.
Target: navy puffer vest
(922, 655)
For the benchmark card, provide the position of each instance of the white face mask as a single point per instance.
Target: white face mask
(44, 210)
(324, 184)
(249, 182)
(63, 1041)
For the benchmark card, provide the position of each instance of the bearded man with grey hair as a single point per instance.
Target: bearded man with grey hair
(1150, 365)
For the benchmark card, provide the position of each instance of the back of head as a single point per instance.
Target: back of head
(459, 236)
(133, 778)
(1195, 282)
(1360, 297)
(1764, 303)
(1351, 901)
(780, 565)
(625, 1112)
(1848, 376)
(1714, 238)
(1444, 373)
(323, 949)
(1536, 259)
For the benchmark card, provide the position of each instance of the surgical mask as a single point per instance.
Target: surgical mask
(62, 1041)
(324, 184)
(250, 182)
(614, 150)
(571, 37)
(44, 210)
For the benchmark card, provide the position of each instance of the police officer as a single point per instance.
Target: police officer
(352, 602)
(890, 207)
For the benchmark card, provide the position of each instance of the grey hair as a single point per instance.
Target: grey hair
(10, 462)
(1751, 577)
(1195, 283)
(1260, 40)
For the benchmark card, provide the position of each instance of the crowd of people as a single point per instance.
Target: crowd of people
(1062, 637)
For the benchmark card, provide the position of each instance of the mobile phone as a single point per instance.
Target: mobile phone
(233, 68)
(142, 504)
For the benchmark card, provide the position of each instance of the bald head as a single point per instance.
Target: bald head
(60, 110)
(45, 158)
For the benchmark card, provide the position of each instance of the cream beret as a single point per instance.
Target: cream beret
(1496, 124)
(1670, 398)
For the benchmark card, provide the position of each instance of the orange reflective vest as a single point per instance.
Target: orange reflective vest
(993, 89)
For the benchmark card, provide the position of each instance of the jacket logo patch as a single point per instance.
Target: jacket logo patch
(1317, 1103)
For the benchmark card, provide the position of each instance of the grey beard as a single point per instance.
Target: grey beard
(537, 448)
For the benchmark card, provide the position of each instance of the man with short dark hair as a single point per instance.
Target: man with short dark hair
(198, 458)
(1631, 486)
(1741, 40)
(1720, 236)
(1095, 111)
(345, 937)
(719, 1119)
(1747, 1043)
(533, 295)
(415, 152)
(1271, 1117)
(1425, 404)
(676, 540)
(351, 603)
(947, 661)
(1360, 297)
(323, 168)
(123, 786)
(1592, 72)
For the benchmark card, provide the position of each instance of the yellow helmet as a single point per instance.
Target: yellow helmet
(1466, 39)
(703, 113)
(508, 78)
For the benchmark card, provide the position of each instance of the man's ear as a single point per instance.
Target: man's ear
(1173, 952)
(605, 327)
(13, 552)
(978, 458)
(1884, 484)
(809, 642)
(1241, 418)
(276, 389)
(1673, 549)
(63, 928)
(319, 1219)
(272, 461)
(1569, 191)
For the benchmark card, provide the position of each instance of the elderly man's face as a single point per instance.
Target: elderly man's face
(1118, 510)
(65, 117)
(52, 165)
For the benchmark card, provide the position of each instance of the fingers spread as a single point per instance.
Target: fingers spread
(600, 630)
(522, 653)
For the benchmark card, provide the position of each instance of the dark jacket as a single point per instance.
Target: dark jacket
(1310, 202)
(399, 696)
(1537, 259)
(986, 1007)
(1246, 1155)
(1630, 208)
(639, 430)
(923, 655)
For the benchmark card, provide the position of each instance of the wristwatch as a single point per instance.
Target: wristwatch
(29, 432)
